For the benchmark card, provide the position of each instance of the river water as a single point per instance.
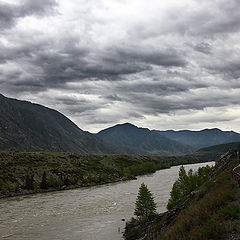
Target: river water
(93, 213)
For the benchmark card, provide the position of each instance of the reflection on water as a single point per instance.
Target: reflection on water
(82, 214)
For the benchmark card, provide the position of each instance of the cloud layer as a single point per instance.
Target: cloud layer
(159, 65)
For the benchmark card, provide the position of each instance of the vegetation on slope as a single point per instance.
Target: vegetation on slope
(216, 151)
(211, 213)
(182, 188)
(21, 172)
(187, 183)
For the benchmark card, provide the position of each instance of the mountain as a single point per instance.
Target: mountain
(134, 140)
(32, 127)
(203, 138)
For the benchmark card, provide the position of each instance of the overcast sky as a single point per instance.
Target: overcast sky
(158, 64)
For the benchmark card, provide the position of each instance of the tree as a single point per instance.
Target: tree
(44, 184)
(180, 189)
(186, 183)
(145, 205)
(29, 182)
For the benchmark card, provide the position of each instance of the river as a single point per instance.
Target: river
(92, 213)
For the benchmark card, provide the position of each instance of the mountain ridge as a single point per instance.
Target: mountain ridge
(202, 138)
(32, 127)
(137, 140)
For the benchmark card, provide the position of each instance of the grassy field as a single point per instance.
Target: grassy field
(23, 172)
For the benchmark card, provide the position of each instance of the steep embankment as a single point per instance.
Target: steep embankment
(23, 172)
(212, 212)
(31, 127)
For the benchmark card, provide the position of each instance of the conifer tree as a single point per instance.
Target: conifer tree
(145, 205)
(44, 184)
(29, 182)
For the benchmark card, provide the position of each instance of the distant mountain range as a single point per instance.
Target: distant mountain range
(27, 126)
(203, 138)
(135, 140)
(32, 127)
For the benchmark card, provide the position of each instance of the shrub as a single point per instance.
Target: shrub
(229, 212)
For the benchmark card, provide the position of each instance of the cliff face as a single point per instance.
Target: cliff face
(206, 214)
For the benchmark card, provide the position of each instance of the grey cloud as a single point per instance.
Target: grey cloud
(186, 62)
(76, 106)
(38, 7)
(206, 19)
(73, 63)
(203, 47)
(165, 58)
(10, 13)
(229, 69)
(112, 118)
(154, 104)
(71, 101)
(113, 97)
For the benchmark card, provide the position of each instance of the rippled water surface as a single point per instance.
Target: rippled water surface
(93, 213)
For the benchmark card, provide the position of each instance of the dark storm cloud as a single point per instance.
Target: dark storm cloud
(166, 58)
(9, 13)
(75, 64)
(72, 63)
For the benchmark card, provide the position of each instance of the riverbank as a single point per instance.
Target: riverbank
(25, 192)
(23, 173)
(211, 212)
